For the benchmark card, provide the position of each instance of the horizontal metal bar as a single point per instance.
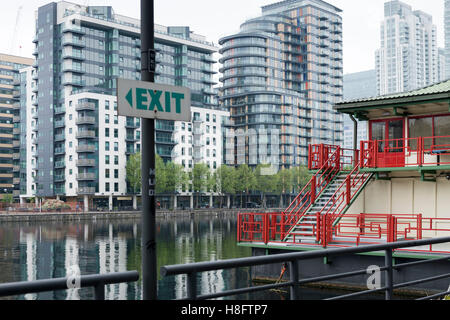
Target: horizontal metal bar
(409, 264)
(281, 258)
(336, 276)
(410, 283)
(437, 295)
(245, 290)
(356, 294)
(24, 287)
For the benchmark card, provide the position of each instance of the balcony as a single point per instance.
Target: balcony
(131, 138)
(86, 177)
(86, 148)
(60, 164)
(60, 191)
(69, 27)
(69, 67)
(60, 137)
(60, 178)
(131, 125)
(74, 82)
(85, 106)
(60, 151)
(71, 41)
(86, 134)
(86, 120)
(86, 190)
(423, 153)
(60, 124)
(86, 163)
(60, 110)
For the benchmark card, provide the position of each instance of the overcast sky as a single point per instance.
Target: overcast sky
(217, 18)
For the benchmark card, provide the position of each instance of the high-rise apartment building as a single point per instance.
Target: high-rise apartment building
(442, 70)
(408, 54)
(447, 37)
(81, 144)
(282, 74)
(10, 122)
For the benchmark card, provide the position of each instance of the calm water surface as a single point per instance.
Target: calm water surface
(47, 250)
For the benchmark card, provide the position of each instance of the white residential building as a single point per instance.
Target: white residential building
(408, 55)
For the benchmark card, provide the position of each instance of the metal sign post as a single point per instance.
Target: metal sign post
(149, 272)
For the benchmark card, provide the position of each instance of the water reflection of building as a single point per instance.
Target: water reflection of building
(198, 241)
(112, 253)
(44, 258)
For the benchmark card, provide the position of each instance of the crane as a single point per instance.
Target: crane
(16, 31)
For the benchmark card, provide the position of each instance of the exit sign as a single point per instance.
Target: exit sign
(153, 101)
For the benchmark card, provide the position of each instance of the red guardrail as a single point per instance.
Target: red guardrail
(352, 229)
(329, 169)
(405, 152)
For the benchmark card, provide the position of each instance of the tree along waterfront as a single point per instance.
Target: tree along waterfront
(226, 181)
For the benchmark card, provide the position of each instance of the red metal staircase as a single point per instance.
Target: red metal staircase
(327, 196)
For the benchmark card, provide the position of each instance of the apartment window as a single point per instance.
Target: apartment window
(106, 159)
(116, 146)
(106, 118)
(106, 146)
(116, 173)
(116, 160)
(116, 120)
(116, 187)
(107, 186)
(107, 132)
(116, 133)
(106, 105)
(107, 173)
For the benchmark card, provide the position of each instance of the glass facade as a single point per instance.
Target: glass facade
(10, 93)
(282, 73)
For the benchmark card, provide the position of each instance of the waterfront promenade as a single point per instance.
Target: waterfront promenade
(8, 216)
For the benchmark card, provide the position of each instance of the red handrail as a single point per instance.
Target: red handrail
(316, 185)
(344, 193)
(379, 153)
(352, 229)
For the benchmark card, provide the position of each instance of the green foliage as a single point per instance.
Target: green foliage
(266, 178)
(134, 172)
(245, 179)
(200, 175)
(175, 177)
(161, 175)
(7, 198)
(300, 177)
(226, 179)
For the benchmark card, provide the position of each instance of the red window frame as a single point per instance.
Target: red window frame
(386, 131)
(433, 135)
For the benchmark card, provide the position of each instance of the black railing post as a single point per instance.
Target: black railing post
(389, 281)
(99, 292)
(192, 286)
(293, 273)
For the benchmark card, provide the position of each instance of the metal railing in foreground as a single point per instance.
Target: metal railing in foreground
(293, 261)
(96, 281)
